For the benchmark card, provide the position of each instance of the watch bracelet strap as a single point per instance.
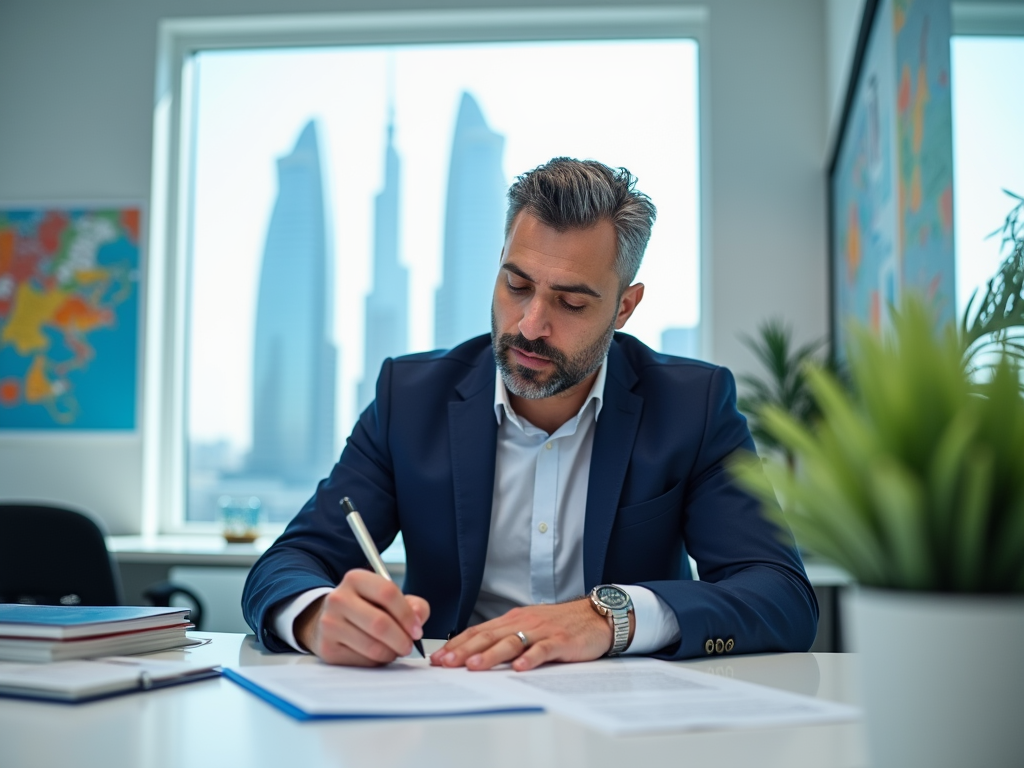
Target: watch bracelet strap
(620, 631)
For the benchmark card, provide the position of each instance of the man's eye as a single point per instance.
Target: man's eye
(516, 288)
(572, 307)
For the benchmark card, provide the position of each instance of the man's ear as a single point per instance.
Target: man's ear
(628, 302)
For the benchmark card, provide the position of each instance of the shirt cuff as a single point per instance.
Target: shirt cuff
(282, 619)
(656, 623)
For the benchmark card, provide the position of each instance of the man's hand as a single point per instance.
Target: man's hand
(564, 632)
(365, 622)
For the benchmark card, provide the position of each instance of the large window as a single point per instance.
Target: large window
(988, 151)
(322, 206)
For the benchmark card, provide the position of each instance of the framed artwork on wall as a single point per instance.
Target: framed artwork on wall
(69, 316)
(891, 175)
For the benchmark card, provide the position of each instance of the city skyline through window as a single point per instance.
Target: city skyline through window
(348, 205)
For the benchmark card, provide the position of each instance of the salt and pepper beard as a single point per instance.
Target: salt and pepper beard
(569, 371)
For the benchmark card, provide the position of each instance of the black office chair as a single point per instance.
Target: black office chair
(55, 556)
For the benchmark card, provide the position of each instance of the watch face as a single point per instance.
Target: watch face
(612, 597)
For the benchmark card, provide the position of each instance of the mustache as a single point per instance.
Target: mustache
(531, 347)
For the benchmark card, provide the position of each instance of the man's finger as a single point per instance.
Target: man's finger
(351, 645)
(516, 619)
(506, 649)
(420, 607)
(454, 643)
(385, 594)
(345, 606)
(537, 654)
(380, 626)
(455, 653)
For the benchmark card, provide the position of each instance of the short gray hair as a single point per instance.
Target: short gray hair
(576, 194)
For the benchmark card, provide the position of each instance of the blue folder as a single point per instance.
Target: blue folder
(290, 709)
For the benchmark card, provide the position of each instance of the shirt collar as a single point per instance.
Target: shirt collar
(502, 405)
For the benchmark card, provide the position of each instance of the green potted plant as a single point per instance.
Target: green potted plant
(785, 384)
(994, 326)
(912, 480)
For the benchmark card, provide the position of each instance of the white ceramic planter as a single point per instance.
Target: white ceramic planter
(942, 677)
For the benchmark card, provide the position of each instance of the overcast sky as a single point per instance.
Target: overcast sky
(988, 156)
(625, 103)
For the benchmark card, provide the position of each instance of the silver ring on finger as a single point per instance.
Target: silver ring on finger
(523, 638)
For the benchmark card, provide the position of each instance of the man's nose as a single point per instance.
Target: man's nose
(534, 323)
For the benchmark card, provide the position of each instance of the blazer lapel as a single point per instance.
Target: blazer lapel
(474, 436)
(614, 436)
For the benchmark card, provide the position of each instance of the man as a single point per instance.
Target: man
(548, 480)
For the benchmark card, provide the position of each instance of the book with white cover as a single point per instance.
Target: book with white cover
(85, 680)
(64, 622)
(139, 641)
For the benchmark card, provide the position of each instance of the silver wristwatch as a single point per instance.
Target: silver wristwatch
(613, 603)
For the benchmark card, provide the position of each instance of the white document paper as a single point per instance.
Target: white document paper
(616, 696)
(401, 689)
(631, 696)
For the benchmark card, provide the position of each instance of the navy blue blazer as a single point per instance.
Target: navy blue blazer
(421, 461)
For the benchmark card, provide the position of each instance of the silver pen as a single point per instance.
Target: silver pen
(355, 522)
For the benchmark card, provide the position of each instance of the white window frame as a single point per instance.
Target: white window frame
(164, 428)
(987, 19)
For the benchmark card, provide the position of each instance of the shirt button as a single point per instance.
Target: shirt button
(548, 446)
(543, 527)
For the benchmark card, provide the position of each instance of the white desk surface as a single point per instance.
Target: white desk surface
(211, 549)
(216, 723)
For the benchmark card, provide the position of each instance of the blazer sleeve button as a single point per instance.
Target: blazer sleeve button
(729, 644)
(709, 646)
(719, 645)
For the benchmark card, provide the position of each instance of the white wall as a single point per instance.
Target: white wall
(76, 100)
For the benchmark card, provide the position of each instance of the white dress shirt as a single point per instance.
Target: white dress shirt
(538, 512)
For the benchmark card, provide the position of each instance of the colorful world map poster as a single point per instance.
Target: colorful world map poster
(924, 130)
(69, 286)
(892, 198)
(864, 194)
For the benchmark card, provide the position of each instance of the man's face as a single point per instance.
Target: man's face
(556, 305)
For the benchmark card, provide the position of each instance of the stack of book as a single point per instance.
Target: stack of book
(42, 633)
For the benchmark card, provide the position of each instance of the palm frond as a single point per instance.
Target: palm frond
(998, 315)
(912, 476)
(783, 383)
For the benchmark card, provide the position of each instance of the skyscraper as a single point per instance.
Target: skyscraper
(474, 228)
(294, 357)
(387, 306)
